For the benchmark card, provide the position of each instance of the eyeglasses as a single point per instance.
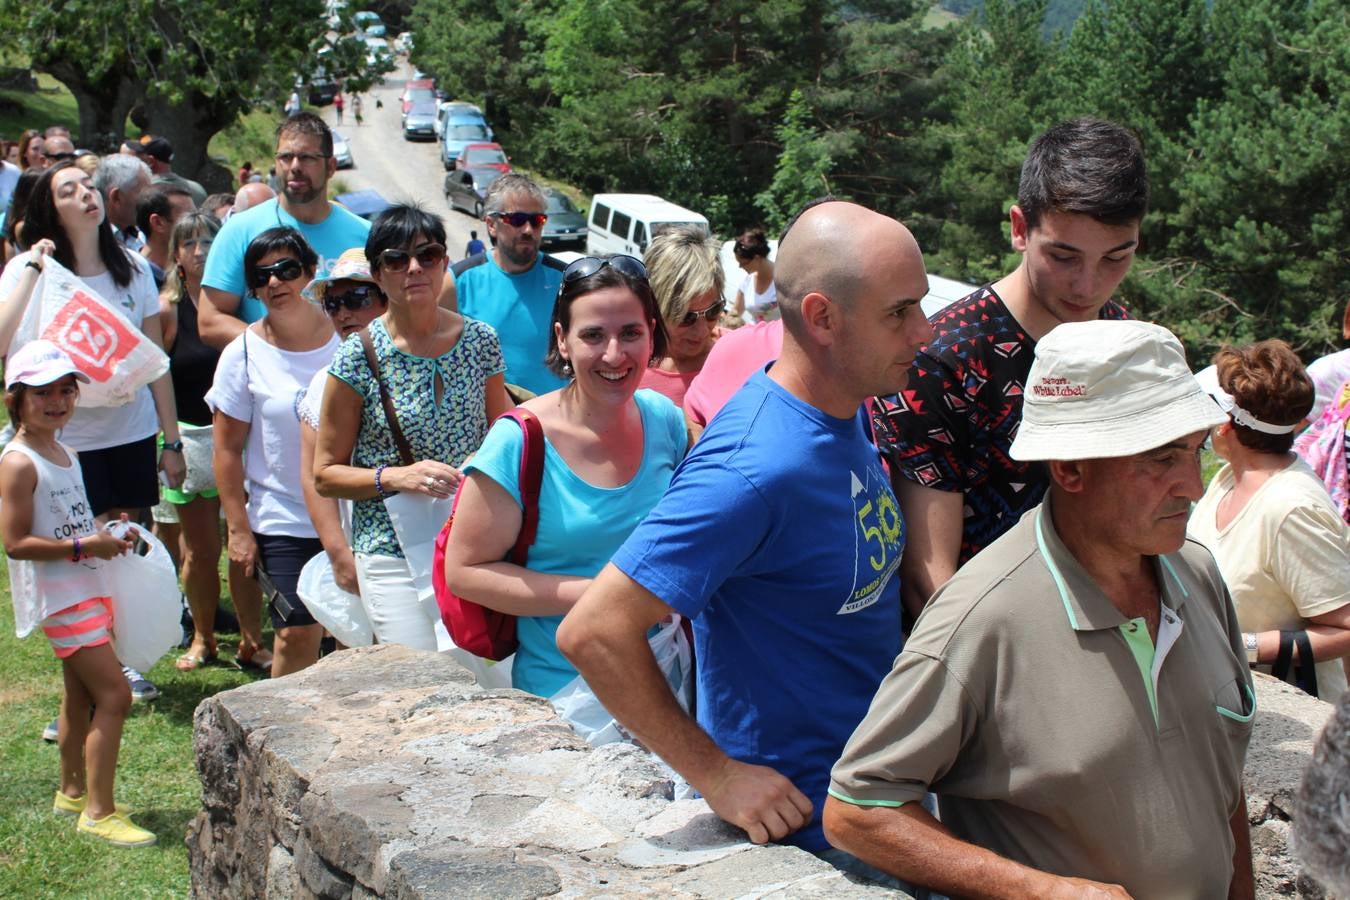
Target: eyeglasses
(287, 269)
(59, 157)
(427, 255)
(355, 299)
(519, 219)
(589, 265)
(306, 158)
(709, 314)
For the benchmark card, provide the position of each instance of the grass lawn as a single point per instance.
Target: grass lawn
(52, 104)
(41, 855)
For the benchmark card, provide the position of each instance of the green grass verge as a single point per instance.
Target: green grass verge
(41, 855)
(52, 104)
(251, 139)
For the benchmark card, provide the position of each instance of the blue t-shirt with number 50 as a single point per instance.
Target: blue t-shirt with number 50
(780, 537)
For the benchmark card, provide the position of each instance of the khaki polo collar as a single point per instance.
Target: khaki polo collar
(1087, 608)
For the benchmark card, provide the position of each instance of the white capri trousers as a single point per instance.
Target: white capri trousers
(390, 599)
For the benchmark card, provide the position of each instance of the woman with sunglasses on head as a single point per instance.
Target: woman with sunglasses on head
(610, 451)
(187, 518)
(31, 155)
(686, 277)
(444, 376)
(260, 379)
(757, 298)
(352, 300)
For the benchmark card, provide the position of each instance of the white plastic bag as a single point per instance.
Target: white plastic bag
(417, 520)
(490, 673)
(101, 341)
(577, 703)
(145, 598)
(341, 613)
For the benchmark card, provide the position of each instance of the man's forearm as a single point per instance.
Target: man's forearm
(910, 844)
(1243, 885)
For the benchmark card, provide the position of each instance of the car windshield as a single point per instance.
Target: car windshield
(482, 179)
(421, 95)
(557, 203)
(482, 157)
(422, 108)
(467, 132)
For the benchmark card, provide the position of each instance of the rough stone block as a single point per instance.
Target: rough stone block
(468, 874)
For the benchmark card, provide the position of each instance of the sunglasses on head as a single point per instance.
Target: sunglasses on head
(354, 299)
(427, 255)
(519, 219)
(589, 265)
(59, 157)
(286, 270)
(710, 314)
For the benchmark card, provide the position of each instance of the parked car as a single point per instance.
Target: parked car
(342, 152)
(456, 109)
(366, 204)
(419, 123)
(417, 89)
(377, 51)
(459, 132)
(483, 154)
(466, 189)
(626, 223)
(319, 89)
(369, 23)
(566, 224)
(404, 42)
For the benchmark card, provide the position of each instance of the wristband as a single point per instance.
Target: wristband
(175, 446)
(34, 264)
(379, 487)
(75, 555)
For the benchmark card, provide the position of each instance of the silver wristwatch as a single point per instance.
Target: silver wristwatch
(1249, 641)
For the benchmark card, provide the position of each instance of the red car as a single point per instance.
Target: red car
(419, 89)
(487, 156)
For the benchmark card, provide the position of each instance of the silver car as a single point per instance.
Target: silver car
(342, 152)
(566, 224)
(420, 122)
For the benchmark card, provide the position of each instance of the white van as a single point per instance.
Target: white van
(625, 223)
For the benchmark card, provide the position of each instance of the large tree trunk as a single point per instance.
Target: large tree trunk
(102, 105)
(189, 127)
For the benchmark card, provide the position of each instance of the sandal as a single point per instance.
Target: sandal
(190, 662)
(259, 660)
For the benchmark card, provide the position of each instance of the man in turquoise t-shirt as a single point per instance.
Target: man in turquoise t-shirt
(513, 286)
(305, 162)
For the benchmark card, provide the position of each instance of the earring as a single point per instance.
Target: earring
(567, 369)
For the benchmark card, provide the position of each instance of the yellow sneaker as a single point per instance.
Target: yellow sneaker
(73, 806)
(117, 829)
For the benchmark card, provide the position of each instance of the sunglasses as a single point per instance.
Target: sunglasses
(59, 157)
(286, 270)
(519, 219)
(710, 314)
(356, 299)
(589, 265)
(427, 255)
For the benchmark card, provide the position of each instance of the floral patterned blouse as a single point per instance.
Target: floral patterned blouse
(447, 432)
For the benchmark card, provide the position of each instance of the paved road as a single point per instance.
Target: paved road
(400, 170)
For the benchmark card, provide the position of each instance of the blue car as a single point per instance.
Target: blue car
(460, 131)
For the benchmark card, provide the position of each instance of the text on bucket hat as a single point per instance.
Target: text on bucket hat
(1107, 389)
(40, 362)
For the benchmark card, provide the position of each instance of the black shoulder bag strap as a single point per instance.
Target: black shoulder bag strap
(404, 448)
(1305, 678)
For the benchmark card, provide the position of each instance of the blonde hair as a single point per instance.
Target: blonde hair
(193, 225)
(682, 263)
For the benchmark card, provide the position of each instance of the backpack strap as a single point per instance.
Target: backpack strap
(404, 448)
(531, 480)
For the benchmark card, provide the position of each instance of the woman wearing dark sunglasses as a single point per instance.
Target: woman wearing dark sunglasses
(352, 300)
(610, 452)
(260, 378)
(686, 276)
(444, 376)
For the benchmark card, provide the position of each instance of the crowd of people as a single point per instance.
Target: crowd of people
(954, 620)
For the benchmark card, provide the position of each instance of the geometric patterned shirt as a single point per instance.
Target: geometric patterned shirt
(951, 427)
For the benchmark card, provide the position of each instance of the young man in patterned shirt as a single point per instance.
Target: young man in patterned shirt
(1082, 195)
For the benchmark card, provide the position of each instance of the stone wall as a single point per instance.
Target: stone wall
(387, 772)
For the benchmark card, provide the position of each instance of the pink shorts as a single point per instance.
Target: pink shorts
(86, 624)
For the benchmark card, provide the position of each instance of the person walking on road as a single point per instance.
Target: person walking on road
(356, 109)
(337, 107)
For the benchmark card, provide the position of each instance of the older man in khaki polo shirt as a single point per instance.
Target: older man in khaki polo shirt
(1077, 696)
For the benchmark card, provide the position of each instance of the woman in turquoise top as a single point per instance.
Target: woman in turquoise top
(610, 451)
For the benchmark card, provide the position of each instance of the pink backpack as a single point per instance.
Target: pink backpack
(1322, 446)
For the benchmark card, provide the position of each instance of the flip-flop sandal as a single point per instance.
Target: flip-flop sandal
(190, 662)
(251, 663)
